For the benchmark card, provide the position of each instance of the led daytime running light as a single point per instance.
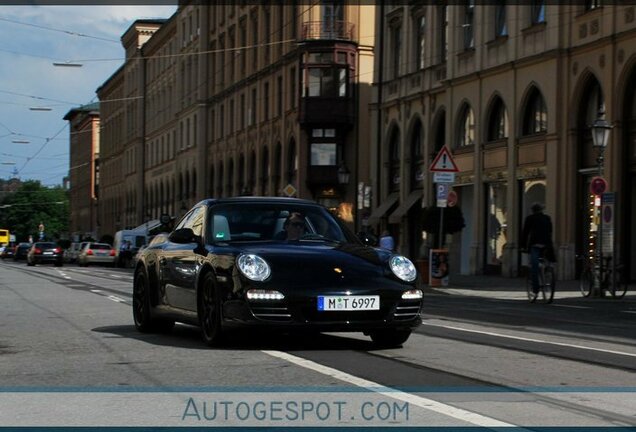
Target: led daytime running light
(257, 294)
(412, 295)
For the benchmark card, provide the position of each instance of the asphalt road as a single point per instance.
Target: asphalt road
(66, 334)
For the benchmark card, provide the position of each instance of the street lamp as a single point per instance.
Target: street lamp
(343, 174)
(600, 136)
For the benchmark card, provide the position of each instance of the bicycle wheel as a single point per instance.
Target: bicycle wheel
(531, 295)
(619, 288)
(547, 285)
(586, 283)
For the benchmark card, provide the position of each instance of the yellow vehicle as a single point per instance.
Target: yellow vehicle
(5, 238)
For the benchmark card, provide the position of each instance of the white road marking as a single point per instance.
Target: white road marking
(116, 299)
(96, 291)
(115, 276)
(533, 340)
(438, 407)
(634, 312)
(571, 306)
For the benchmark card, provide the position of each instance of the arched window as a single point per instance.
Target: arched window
(497, 121)
(265, 171)
(535, 114)
(394, 161)
(466, 127)
(417, 156)
(230, 177)
(278, 155)
(292, 162)
(241, 175)
(194, 184)
(252, 173)
(219, 182)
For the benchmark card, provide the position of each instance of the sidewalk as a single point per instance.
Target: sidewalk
(501, 287)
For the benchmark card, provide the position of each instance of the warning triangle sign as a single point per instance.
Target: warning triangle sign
(443, 162)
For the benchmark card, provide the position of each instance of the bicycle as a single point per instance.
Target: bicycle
(611, 278)
(547, 282)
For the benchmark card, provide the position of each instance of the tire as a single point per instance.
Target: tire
(620, 285)
(548, 285)
(209, 310)
(390, 338)
(144, 322)
(586, 283)
(532, 297)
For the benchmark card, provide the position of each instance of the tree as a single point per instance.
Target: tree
(453, 220)
(32, 204)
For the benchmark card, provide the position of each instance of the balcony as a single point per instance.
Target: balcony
(327, 30)
(329, 110)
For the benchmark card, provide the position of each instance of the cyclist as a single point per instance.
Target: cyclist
(537, 239)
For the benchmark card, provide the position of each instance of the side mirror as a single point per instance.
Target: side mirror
(184, 236)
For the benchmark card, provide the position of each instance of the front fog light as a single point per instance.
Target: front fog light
(259, 294)
(412, 295)
(403, 268)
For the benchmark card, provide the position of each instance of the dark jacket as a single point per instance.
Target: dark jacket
(537, 230)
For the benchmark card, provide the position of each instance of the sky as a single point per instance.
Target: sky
(32, 38)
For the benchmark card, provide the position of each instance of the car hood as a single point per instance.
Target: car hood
(323, 263)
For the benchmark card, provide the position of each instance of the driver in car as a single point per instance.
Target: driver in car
(294, 226)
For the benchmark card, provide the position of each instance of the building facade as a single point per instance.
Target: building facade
(511, 90)
(84, 171)
(238, 99)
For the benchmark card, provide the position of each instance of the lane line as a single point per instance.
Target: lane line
(116, 299)
(532, 340)
(429, 404)
(571, 306)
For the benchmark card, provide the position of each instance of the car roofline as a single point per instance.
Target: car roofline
(257, 199)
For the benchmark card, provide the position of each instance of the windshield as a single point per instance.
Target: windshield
(269, 222)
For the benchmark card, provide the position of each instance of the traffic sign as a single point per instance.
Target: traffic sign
(289, 190)
(598, 185)
(452, 198)
(443, 177)
(442, 194)
(443, 162)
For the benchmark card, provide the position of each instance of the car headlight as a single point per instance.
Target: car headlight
(403, 268)
(253, 267)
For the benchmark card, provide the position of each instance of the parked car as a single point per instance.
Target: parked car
(45, 252)
(224, 266)
(96, 253)
(21, 251)
(8, 252)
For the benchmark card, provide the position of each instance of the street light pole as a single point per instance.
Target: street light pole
(600, 136)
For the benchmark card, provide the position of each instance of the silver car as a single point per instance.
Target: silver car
(96, 253)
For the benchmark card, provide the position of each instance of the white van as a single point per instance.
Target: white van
(126, 245)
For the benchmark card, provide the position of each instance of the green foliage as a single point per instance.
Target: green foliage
(32, 204)
(453, 220)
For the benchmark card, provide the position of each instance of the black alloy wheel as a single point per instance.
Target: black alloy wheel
(210, 311)
(141, 307)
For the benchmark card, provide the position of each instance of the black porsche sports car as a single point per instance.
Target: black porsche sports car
(273, 262)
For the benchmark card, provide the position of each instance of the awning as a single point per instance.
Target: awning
(397, 215)
(380, 210)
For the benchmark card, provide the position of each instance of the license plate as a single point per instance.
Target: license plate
(48, 253)
(348, 303)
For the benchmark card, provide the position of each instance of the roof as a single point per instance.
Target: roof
(258, 199)
(92, 107)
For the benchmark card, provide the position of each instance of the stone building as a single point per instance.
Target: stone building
(238, 99)
(511, 90)
(84, 171)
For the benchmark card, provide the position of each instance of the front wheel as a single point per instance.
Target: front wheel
(586, 283)
(390, 338)
(210, 311)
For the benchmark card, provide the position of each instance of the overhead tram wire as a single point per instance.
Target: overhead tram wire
(68, 32)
